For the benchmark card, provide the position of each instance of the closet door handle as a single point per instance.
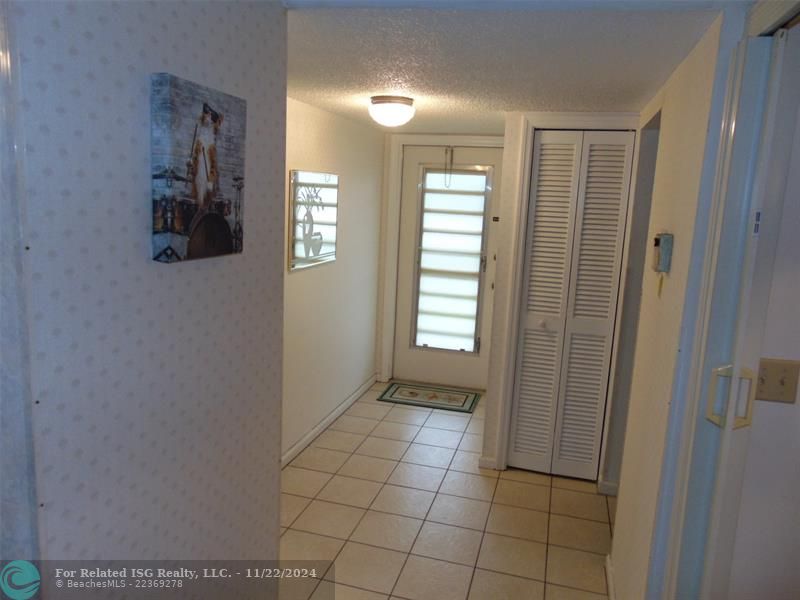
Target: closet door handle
(745, 421)
(716, 419)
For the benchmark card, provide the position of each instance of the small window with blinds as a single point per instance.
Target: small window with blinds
(314, 212)
(450, 259)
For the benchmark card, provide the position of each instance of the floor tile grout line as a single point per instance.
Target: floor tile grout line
(316, 496)
(572, 587)
(482, 569)
(448, 469)
(547, 546)
(483, 537)
(416, 537)
(571, 516)
(426, 519)
(366, 510)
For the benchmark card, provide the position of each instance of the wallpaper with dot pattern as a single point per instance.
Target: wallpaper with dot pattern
(157, 387)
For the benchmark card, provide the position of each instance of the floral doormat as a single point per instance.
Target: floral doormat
(431, 396)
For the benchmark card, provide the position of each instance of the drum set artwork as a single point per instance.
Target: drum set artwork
(191, 216)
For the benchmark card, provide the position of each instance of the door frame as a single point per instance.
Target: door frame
(390, 232)
(517, 156)
(772, 160)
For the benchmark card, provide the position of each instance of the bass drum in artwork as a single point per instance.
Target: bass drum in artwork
(211, 236)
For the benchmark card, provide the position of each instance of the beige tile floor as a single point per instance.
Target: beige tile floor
(394, 496)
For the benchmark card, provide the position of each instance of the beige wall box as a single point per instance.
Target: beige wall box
(777, 380)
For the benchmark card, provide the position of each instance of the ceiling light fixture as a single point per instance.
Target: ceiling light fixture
(391, 111)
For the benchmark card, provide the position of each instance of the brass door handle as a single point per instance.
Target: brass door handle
(724, 371)
(747, 419)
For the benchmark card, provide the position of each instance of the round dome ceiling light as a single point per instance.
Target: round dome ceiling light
(391, 111)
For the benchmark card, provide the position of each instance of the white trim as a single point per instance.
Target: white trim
(504, 346)
(745, 348)
(768, 15)
(303, 443)
(508, 293)
(581, 120)
(607, 488)
(390, 229)
(487, 462)
(612, 592)
(623, 280)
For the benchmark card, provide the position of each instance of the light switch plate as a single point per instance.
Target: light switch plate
(777, 380)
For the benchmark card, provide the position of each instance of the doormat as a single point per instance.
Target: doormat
(431, 396)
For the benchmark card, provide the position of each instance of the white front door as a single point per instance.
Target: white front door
(446, 265)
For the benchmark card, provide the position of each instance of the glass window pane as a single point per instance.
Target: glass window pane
(311, 177)
(448, 305)
(461, 203)
(447, 325)
(456, 181)
(314, 218)
(450, 262)
(448, 222)
(446, 342)
(452, 242)
(448, 286)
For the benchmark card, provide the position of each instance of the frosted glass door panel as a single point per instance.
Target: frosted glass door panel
(450, 259)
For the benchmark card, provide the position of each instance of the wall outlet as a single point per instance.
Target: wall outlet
(777, 380)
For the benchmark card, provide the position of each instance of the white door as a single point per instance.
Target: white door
(551, 226)
(743, 251)
(445, 265)
(576, 226)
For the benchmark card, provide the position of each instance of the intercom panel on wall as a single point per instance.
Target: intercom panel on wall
(662, 252)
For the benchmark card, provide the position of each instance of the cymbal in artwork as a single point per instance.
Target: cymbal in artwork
(169, 173)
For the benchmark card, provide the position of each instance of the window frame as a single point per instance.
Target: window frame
(295, 263)
(488, 171)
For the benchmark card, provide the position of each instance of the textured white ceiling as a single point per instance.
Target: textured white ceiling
(465, 68)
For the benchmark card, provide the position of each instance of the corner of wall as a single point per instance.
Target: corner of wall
(331, 310)
(19, 534)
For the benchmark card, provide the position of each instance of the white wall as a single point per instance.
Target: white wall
(157, 387)
(685, 103)
(330, 310)
(767, 541)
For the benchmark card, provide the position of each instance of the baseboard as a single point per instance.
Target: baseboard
(608, 488)
(301, 445)
(612, 594)
(487, 462)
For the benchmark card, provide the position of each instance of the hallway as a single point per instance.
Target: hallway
(394, 496)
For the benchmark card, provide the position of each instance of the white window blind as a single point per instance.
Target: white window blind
(315, 207)
(450, 259)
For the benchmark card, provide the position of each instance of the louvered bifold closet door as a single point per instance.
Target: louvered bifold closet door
(551, 214)
(591, 308)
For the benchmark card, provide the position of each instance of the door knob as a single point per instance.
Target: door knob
(543, 324)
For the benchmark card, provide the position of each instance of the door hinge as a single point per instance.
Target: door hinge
(483, 263)
(477, 344)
